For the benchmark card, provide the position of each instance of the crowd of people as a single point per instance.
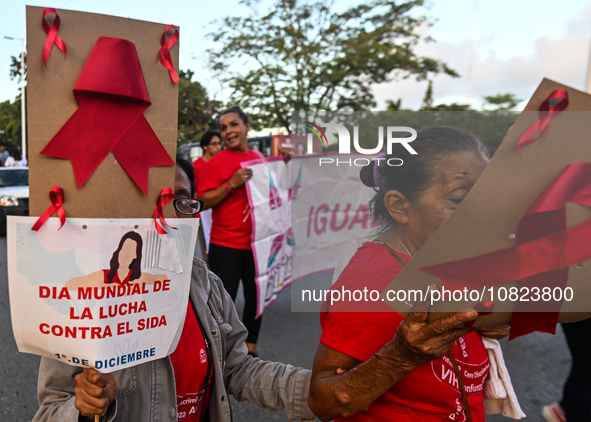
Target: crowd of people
(372, 365)
(11, 159)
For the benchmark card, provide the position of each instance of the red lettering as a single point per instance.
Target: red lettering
(334, 217)
(166, 285)
(44, 328)
(84, 293)
(72, 315)
(44, 292)
(322, 208)
(360, 217)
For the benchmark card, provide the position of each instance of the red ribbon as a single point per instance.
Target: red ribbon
(56, 195)
(166, 195)
(112, 97)
(164, 54)
(546, 116)
(545, 249)
(52, 36)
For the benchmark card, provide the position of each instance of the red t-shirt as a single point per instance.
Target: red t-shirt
(429, 393)
(198, 166)
(189, 361)
(231, 218)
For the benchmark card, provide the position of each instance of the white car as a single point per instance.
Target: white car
(14, 193)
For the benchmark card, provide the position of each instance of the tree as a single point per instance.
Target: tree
(392, 105)
(304, 56)
(502, 102)
(195, 109)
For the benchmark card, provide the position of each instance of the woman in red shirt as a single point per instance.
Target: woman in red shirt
(222, 188)
(375, 365)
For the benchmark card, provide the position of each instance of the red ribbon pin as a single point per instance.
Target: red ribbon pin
(546, 116)
(166, 195)
(112, 97)
(52, 36)
(56, 195)
(164, 54)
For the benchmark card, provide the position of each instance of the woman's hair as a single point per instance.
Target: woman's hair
(235, 109)
(16, 154)
(135, 266)
(184, 162)
(417, 172)
(208, 136)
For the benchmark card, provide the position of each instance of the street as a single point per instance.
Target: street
(538, 363)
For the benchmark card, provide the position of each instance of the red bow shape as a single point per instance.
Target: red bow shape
(165, 58)
(56, 195)
(112, 96)
(166, 195)
(546, 116)
(545, 249)
(52, 36)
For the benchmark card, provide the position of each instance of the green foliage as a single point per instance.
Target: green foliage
(394, 105)
(502, 102)
(10, 122)
(15, 67)
(305, 56)
(195, 109)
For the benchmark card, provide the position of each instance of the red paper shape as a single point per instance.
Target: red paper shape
(112, 96)
(166, 195)
(165, 58)
(52, 36)
(546, 116)
(545, 249)
(56, 195)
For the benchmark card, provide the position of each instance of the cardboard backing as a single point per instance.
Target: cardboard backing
(110, 192)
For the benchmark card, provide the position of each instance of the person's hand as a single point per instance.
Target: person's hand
(240, 177)
(495, 332)
(94, 392)
(416, 341)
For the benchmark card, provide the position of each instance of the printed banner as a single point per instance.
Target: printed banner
(306, 215)
(102, 293)
(272, 241)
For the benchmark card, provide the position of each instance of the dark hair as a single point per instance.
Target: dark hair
(16, 154)
(418, 171)
(184, 163)
(135, 266)
(3, 144)
(208, 136)
(235, 109)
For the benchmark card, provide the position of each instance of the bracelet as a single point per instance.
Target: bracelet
(228, 186)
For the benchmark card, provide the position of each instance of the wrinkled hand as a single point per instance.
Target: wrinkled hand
(94, 392)
(240, 177)
(416, 341)
(495, 332)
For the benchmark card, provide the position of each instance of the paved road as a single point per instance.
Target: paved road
(538, 363)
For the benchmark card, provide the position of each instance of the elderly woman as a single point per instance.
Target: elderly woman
(378, 366)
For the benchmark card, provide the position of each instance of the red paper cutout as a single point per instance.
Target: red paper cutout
(52, 36)
(112, 97)
(56, 195)
(546, 116)
(164, 54)
(166, 195)
(545, 249)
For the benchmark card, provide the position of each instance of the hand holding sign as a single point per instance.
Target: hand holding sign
(94, 392)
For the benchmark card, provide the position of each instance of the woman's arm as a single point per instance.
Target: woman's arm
(334, 395)
(213, 197)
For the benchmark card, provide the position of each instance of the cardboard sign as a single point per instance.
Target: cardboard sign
(99, 293)
(109, 192)
(488, 218)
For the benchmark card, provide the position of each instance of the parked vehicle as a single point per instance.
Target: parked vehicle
(14, 193)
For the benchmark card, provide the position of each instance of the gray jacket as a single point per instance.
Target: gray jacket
(146, 392)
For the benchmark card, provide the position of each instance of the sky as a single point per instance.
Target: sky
(515, 43)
